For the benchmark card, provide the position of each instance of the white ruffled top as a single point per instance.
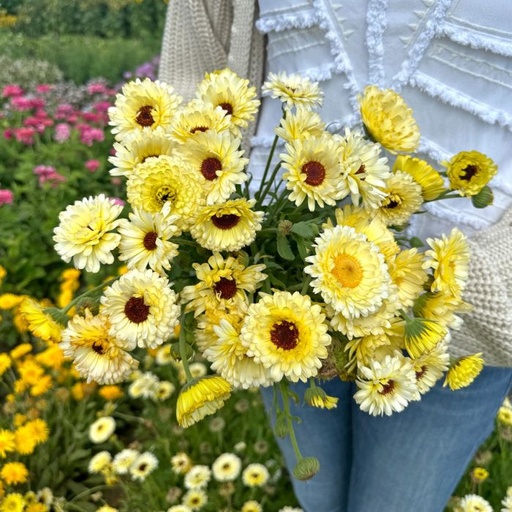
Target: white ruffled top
(451, 60)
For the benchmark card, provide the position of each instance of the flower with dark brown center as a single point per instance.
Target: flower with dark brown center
(227, 107)
(421, 372)
(315, 173)
(136, 310)
(225, 288)
(98, 348)
(285, 335)
(469, 172)
(199, 129)
(144, 116)
(209, 168)
(227, 221)
(387, 388)
(149, 241)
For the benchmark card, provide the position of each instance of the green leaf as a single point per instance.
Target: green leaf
(283, 248)
(305, 229)
(416, 242)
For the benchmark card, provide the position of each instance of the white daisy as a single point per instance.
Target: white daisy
(226, 467)
(102, 429)
(197, 477)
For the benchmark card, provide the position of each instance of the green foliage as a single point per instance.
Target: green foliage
(27, 73)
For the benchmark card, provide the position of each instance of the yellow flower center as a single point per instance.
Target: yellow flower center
(164, 194)
(392, 201)
(347, 270)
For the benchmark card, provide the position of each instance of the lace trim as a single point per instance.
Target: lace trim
(377, 23)
(281, 22)
(459, 218)
(475, 40)
(410, 65)
(458, 99)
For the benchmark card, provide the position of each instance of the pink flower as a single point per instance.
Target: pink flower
(21, 103)
(96, 88)
(44, 170)
(102, 106)
(63, 111)
(92, 165)
(6, 196)
(8, 134)
(47, 173)
(25, 135)
(116, 181)
(92, 117)
(11, 91)
(62, 132)
(118, 201)
(89, 135)
(42, 88)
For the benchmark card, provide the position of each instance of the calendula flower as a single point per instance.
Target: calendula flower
(287, 334)
(197, 477)
(349, 272)
(97, 355)
(200, 398)
(255, 475)
(83, 234)
(364, 170)
(293, 90)
(431, 182)
(479, 474)
(13, 473)
(137, 149)
(143, 465)
(223, 283)
(124, 460)
(5, 363)
(110, 392)
(101, 430)
(7, 442)
(300, 125)
(142, 104)
(181, 463)
(251, 506)
(430, 367)
(141, 308)
(312, 171)
(504, 416)
(464, 371)
(403, 198)
(20, 350)
(166, 180)
(25, 441)
(388, 120)
(40, 323)
(143, 386)
(218, 162)
(361, 351)
(233, 94)
(449, 257)
(227, 226)
(442, 308)
(226, 467)
(164, 390)
(422, 336)
(198, 117)
(474, 503)
(469, 172)
(145, 240)
(39, 430)
(13, 502)
(195, 499)
(317, 397)
(10, 300)
(100, 462)
(386, 386)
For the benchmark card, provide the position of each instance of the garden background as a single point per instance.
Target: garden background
(66, 444)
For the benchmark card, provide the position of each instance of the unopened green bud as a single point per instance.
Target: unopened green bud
(484, 198)
(306, 468)
(284, 227)
(281, 427)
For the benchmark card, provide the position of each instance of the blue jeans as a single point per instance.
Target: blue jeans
(410, 461)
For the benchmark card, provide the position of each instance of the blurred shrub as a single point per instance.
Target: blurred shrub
(27, 73)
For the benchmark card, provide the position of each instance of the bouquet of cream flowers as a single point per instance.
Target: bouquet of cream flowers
(306, 276)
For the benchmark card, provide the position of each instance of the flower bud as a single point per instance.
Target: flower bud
(306, 468)
(484, 198)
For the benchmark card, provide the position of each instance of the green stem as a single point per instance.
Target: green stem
(305, 286)
(267, 167)
(183, 350)
(87, 293)
(87, 492)
(268, 187)
(286, 407)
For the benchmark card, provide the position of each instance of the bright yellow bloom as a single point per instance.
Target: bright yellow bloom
(479, 474)
(14, 473)
(7, 442)
(3, 273)
(52, 357)
(407, 273)
(13, 502)
(30, 372)
(36, 507)
(111, 392)
(464, 371)
(505, 416)
(39, 430)
(200, 398)
(293, 90)
(20, 350)
(25, 440)
(422, 336)
(469, 172)
(10, 301)
(389, 120)
(42, 386)
(317, 397)
(5, 363)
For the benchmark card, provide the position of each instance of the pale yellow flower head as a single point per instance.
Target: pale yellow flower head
(41, 324)
(464, 371)
(389, 120)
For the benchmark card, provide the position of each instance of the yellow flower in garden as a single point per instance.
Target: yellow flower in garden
(464, 371)
(222, 283)
(96, 354)
(479, 474)
(473, 503)
(20, 350)
(364, 169)
(227, 226)
(141, 308)
(145, 240)
(111, 392)
(312, 172)
(349, 272)
(101, 430)
(317, 397)
(5, 363)
(388, 120)
(19, 419)
(218, 162)
(7, 442)
(36, 507)
(403, 198)
(232, 93)
(198, 117)
(39, 430)
(41, 324)
(13, 473)
(469, 172)
(431, 182)
(3, 273)
(407, 272)
(10, 300)
(25, 440)
(13, 502)
(30, 372)
(195, 499)
(255, 475)
(143, 465)
(181, 463)
(293, 90)
(83, 234)
(287, 334)
(449, 257)
(200, 398)
(505, 416)
(101, 462)
(137, 149)
(251, 506)
(166, 180)
(300, 124)
(422, 335)
(106, 508)
(143, 104)
(52, 357)
(44, 384)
